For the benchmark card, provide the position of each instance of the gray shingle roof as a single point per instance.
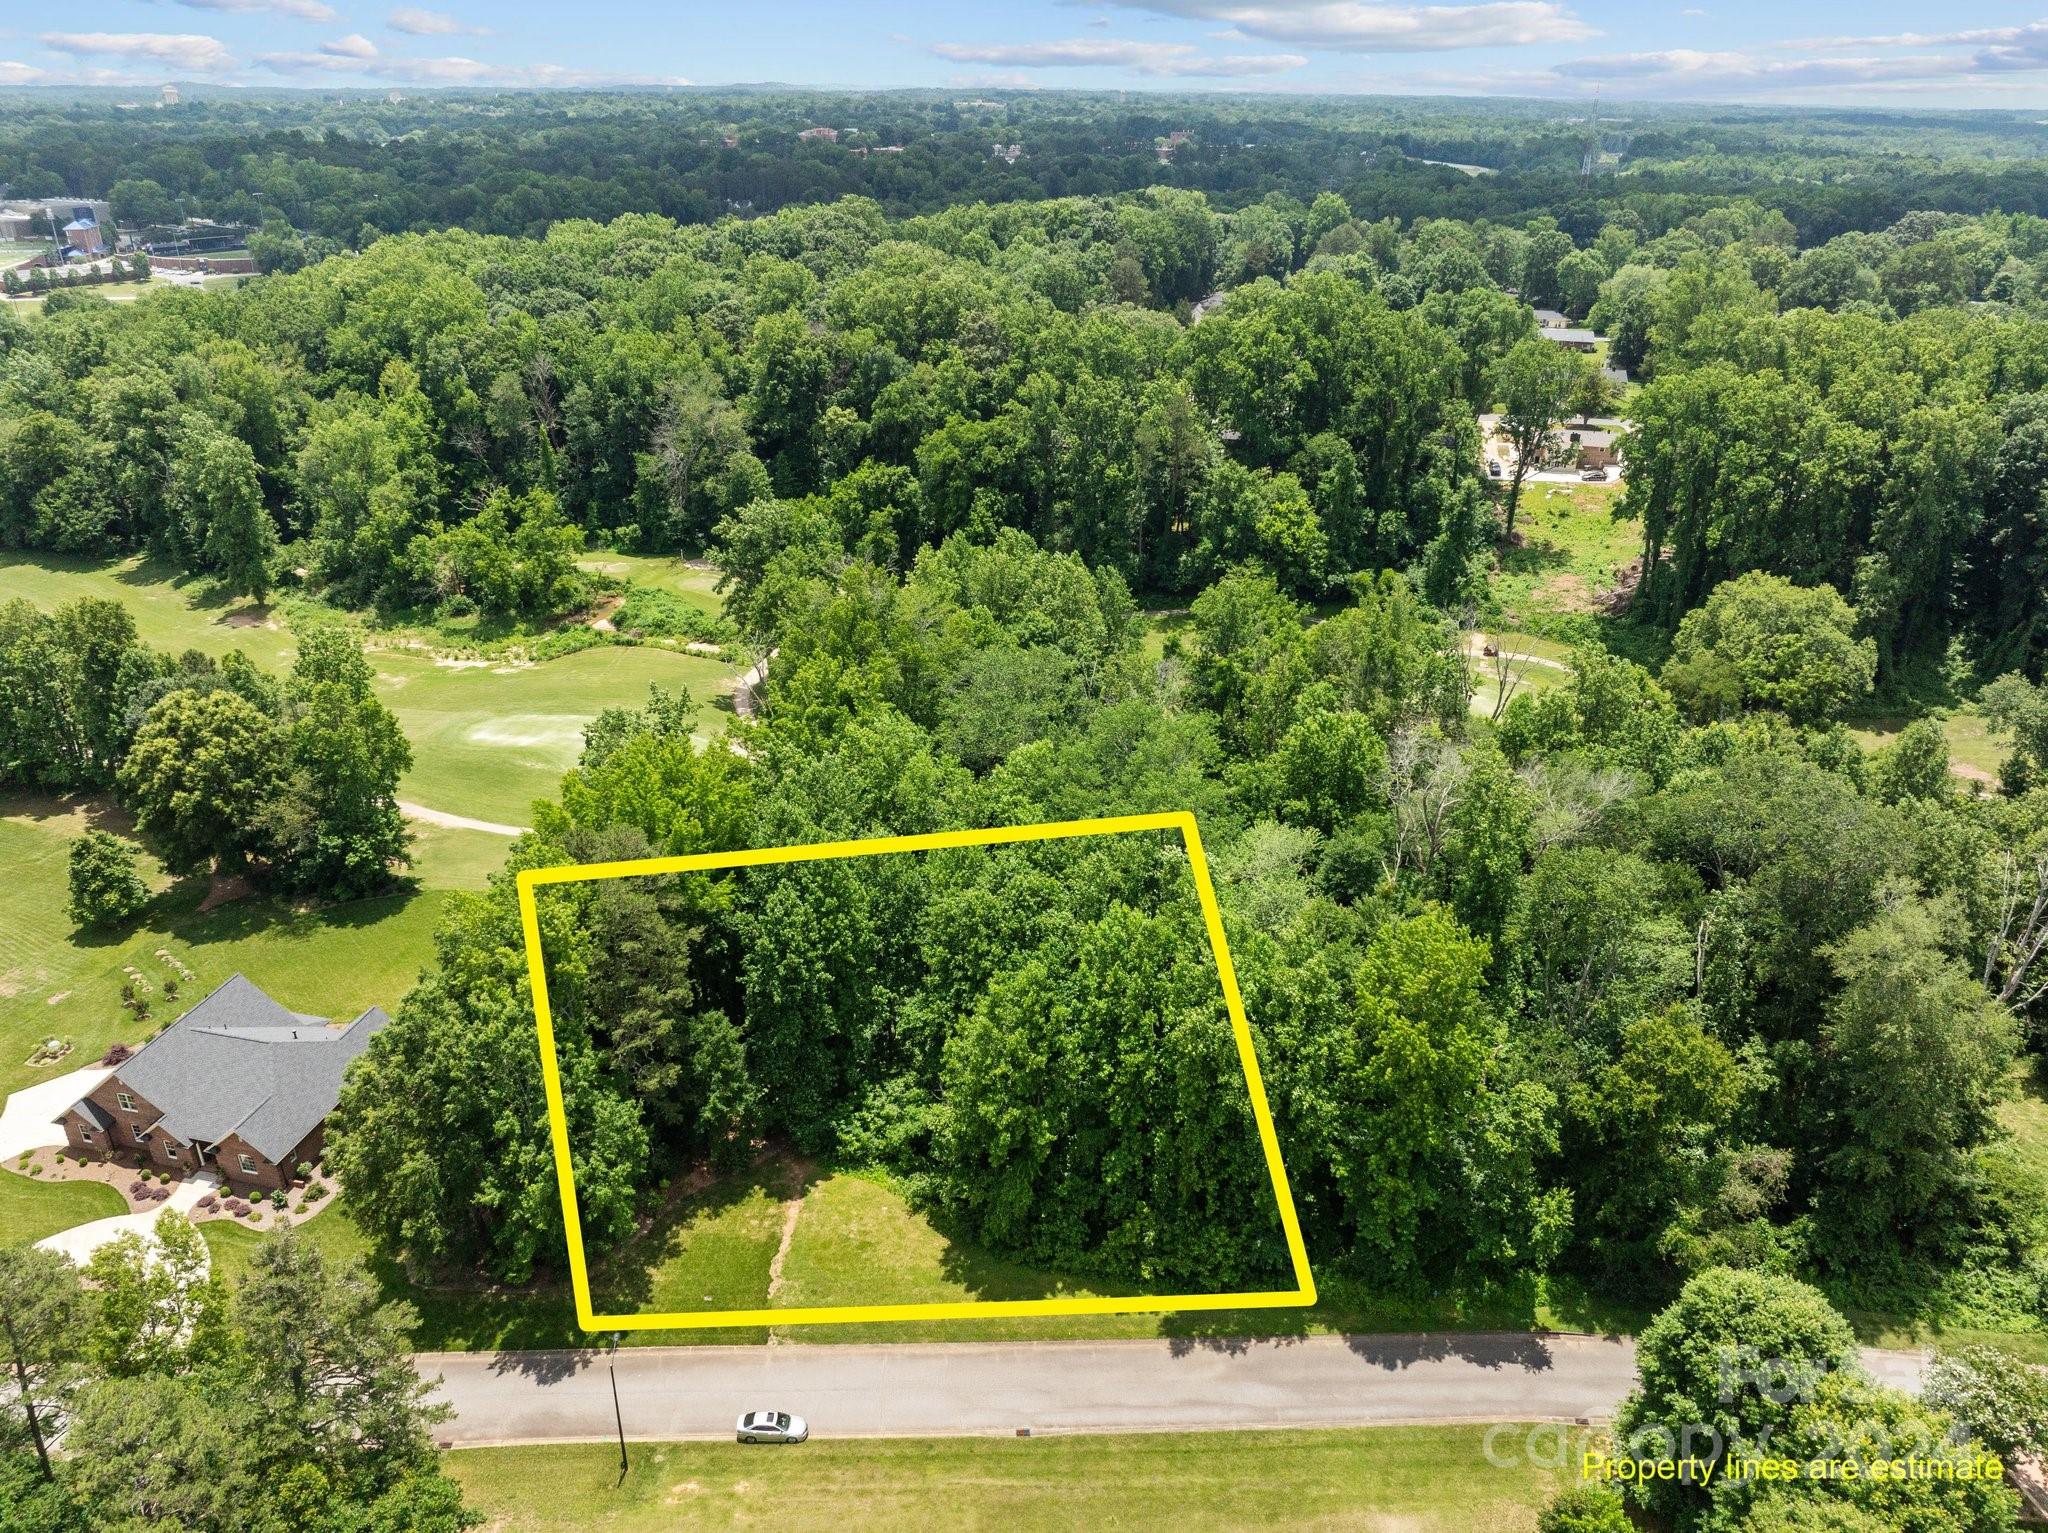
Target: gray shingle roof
(239, 1063)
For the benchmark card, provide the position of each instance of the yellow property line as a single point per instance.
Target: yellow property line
(1304, 1291)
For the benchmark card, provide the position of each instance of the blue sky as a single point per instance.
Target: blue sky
(1963, 53)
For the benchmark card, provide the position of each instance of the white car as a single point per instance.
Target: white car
(772, 1427)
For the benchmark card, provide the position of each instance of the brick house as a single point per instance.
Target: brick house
(237, 1083)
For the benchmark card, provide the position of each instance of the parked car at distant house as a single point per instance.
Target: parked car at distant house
(237, 1083)
(1593, 475)
(1493, 468)
(772, 1427)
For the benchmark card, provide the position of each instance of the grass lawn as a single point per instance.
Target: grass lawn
(1411, 1479)
(58, 981)
(1974, 752)
(1572, 548)
(31, 1208)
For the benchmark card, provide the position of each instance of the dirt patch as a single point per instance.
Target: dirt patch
(600, 617)
(61, 995)
(250, 617)
(1566, 592)
(447, 663)
(224, 889)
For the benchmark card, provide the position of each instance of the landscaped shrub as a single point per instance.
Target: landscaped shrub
(302, 1171)
(315, 1193)
(60, 1159)
(117, 1054)
(208, 1203)
(278, 1199)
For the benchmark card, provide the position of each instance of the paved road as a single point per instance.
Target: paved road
(667, 1393)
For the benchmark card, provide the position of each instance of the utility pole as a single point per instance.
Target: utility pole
(611, 1353)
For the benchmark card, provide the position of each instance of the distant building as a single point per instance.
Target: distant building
(1009, 154)
(83, 234)
(1569, 338)
(1550, 319)
(829, 135)
(1591, 447)
(170, 95)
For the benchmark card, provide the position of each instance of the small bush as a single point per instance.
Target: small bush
(35, 1170)
(60, 1158)
(208, 1203)
(302, 1171)
(278, 1199)
(315, 1193)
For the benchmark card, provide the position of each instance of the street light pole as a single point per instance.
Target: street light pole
(611, 1356)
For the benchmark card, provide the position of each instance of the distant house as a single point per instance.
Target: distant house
(170, 95)
(237, 1083)
(829, 135)
(1009, 154)
(83, 234)
(1550, 319)
(1570, 339)
(1591, 447)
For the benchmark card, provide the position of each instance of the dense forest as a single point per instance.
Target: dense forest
(1652, 972)
(344, 167)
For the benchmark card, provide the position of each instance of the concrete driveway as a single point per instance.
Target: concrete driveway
(29, 1120)
(81, 1240)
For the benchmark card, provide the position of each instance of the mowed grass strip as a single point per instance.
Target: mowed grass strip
(858, 1241)
(1414, 1479)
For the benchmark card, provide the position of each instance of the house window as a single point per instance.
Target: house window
(170, 1150)
(141, 1134)
(248, 1164)
(85, 1136)
(127, 1102)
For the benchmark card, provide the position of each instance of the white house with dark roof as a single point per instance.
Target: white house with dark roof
(238, 1083)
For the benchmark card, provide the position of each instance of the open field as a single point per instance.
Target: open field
(58, 981)
(1411, 1479)
(488, 738)
(1571, 549)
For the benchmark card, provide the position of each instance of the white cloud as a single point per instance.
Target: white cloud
(416, 22)
(304, 10)
(190, 51)
(13, 72)
(353, 46)
(1179, 60)
(1356, 26)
